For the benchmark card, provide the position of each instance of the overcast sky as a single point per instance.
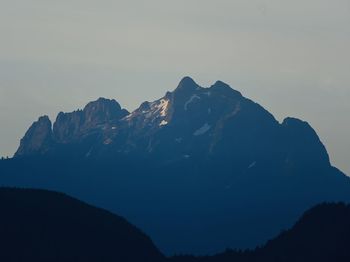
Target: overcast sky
(291, 56)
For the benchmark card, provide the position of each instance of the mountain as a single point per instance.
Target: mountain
(40, 225)
(195, 122)
(322, 234)
(222, 169)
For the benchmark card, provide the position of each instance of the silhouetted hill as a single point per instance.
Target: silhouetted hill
(38, 225)
(222, 169)
(322, 235)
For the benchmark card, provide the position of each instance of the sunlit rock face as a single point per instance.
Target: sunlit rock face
(38, 139)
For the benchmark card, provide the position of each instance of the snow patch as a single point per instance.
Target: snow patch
(163, 123)
(252, 165)
(129, 116)
(202, 130)
(163, 107)
(157, 107)
(192, 98)
(178, 140)
(114, 127)
(108, 141)
(88, 154)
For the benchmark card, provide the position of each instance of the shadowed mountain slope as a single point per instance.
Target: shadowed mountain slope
(322, 234)
(45, 226)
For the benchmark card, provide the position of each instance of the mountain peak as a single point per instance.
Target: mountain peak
(220, 86)
(103, 110)
(44, 119)
(37, 139)
(187, 83)
(305, 144)
(219, 82)
(103, 103)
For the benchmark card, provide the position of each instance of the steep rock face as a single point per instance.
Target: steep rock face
(68, 126)
(38, 140)
(73, 126)
(102, 111)
(74, 133)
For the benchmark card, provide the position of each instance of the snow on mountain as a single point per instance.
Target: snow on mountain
(192, 99)
(201, 131)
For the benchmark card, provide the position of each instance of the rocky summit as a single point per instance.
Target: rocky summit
(190, 122)
(218, 167)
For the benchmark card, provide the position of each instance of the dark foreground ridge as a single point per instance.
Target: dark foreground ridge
(322, 234)
(220, 168)
(40, 226)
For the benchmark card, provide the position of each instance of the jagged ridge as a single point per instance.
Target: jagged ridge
(192, 120)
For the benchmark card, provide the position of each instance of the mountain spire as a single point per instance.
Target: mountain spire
(38, 138)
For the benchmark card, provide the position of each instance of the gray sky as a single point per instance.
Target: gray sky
(291, 56)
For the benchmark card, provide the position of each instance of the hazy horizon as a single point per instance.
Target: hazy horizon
(290, 57)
